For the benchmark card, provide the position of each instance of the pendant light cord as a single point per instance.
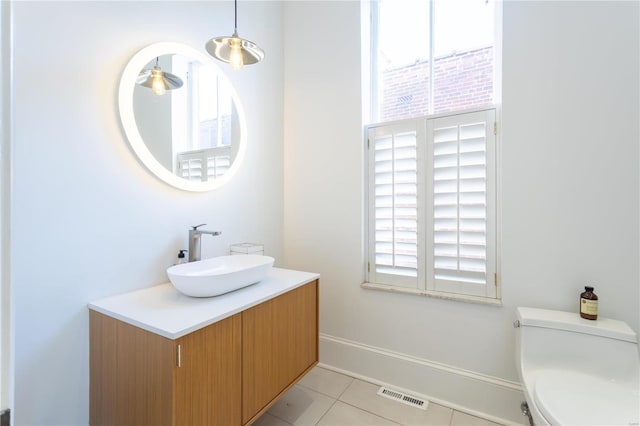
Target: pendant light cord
(235, 28)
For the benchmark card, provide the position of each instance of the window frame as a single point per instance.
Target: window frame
(425, 280)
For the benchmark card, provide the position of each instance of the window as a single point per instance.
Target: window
(204, 123)
(431, 56)
(432, 159)
(432, 204)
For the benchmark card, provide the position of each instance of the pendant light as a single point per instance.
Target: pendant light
(234, 50)
(158, 81)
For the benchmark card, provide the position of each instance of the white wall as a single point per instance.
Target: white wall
(88, 219)
(570, 192)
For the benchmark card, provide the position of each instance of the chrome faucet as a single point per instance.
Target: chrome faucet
(195, 242)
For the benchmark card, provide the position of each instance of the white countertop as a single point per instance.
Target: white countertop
(165, 311)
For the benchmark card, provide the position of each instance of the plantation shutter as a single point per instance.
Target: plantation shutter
(218, 165)
(190, 167)
(204, 164)
(432, 204)
(463, 203)
(393, 203)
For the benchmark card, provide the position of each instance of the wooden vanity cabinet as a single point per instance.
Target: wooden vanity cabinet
(227, 373)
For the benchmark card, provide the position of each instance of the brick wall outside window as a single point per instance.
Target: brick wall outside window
(462, 80)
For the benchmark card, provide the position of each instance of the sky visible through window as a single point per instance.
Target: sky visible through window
(460, 25)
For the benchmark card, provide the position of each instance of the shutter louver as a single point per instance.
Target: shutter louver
(460, 203)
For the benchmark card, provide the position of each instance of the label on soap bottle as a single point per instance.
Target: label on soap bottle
(588, 307)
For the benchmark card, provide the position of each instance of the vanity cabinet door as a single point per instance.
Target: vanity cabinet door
(140, 378)
(131, 374)
(280, 344)
(208, 375)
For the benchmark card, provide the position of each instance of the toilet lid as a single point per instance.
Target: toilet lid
(572, 398)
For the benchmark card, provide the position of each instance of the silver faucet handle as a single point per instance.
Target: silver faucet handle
(198, 226)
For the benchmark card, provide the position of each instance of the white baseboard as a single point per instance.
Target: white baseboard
(491, 398)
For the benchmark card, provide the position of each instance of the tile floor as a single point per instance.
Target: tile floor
(324, 397)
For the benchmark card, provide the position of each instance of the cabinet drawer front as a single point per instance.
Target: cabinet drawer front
(280, 342)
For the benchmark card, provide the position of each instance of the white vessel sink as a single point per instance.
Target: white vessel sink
(219, 275)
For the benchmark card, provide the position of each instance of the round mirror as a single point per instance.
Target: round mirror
(182, 116)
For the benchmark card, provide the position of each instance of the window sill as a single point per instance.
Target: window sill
(431, 293)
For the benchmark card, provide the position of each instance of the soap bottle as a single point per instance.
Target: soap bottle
(181, 258)
(589, 304)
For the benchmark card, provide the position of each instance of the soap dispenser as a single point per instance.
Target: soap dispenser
(181, 258)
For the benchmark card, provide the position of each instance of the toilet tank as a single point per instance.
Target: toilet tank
(563, 340)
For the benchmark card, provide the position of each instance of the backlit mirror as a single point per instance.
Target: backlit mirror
(191, 136)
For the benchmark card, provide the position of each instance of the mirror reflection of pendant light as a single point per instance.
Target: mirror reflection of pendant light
(234, 50)
(158, 81)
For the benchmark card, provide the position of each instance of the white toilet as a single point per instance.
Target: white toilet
(576, 371)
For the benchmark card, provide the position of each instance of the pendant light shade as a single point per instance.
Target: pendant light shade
(234, 50)
(158, 81)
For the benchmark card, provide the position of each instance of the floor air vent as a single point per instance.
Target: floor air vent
(403, 398)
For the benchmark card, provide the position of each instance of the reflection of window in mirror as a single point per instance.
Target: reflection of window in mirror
(203, 122)
(213, 121)
(180, 132)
